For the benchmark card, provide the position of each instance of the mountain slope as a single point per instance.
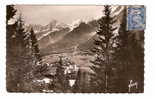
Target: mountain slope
(52, 37)
(77, 36)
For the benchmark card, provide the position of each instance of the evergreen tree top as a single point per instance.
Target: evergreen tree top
(11, 11)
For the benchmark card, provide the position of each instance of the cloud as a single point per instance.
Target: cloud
(43, 14)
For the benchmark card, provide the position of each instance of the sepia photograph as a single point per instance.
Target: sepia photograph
(75, 48)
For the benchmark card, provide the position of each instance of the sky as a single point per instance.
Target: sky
(43, 14)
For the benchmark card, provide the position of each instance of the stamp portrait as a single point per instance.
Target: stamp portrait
(136, 18)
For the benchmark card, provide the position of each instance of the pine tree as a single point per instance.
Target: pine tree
(61, 82)
(23, 65)
(10, 31)
(122, 55)
(34, 46)
(129, 56)
(10, 12)
(20, 34)
(19, 57)
(10, 28)
(78, 87)
(103, 51)
(38, 67)
(16, 62)
(81, 84)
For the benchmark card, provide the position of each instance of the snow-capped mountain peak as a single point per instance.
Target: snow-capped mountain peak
(75, 24)
(55, 25)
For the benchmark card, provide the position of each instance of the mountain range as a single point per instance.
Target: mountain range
(59, 37)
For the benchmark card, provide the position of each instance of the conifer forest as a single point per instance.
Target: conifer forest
(73, 49)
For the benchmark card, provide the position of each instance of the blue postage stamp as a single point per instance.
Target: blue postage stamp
(136, 18)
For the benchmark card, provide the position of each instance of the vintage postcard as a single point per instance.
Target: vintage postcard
(75, 48)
